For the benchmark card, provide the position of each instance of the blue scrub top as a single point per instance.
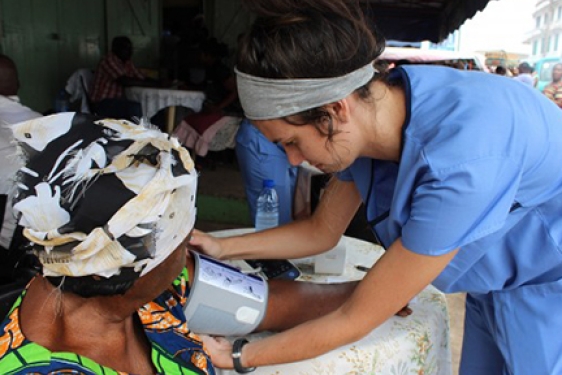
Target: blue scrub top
(481, 170)
(261, 159)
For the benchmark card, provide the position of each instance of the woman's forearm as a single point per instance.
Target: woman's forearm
(300, 238)
(396, 278)
(289, 241)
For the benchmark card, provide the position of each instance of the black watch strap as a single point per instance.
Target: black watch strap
(237, 355)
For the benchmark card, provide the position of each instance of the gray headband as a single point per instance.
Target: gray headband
(269, 98)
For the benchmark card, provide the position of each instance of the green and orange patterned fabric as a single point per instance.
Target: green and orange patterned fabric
(175, 350)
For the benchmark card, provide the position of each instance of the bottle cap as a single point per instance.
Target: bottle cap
(268, 183)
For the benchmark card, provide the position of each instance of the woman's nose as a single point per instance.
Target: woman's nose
(294, 156)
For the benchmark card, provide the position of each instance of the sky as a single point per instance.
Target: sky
(503, 24)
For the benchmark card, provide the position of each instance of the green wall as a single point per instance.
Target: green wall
(141, 21)
(226, 19)
(223, 210)
(50, 39)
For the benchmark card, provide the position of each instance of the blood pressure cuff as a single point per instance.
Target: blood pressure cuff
(223, 300)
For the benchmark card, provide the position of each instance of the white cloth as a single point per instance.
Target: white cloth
(525, 78)
(418, 344)
(11, 112)
(78, 87)
(153, 99)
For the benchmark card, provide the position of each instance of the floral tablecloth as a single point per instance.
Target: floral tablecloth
(154, 99)
(418, 344)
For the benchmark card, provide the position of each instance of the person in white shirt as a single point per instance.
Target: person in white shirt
(11, 112)
(525, 75)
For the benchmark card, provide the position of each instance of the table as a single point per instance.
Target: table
(154, 99)
(418, 344)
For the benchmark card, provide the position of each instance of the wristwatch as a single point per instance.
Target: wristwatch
(237, 354)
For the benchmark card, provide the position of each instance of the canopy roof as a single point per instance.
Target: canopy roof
(417, 20)
(419, 56)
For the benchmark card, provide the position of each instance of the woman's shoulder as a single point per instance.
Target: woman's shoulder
(18, 355)
(166, 327)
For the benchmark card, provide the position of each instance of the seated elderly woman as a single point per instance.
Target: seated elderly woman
(108, 206)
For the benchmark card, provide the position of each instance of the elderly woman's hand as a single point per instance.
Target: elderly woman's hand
(206, 244)
(219, 349)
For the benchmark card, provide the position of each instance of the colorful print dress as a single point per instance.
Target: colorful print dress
(175, 350)
(554, 92)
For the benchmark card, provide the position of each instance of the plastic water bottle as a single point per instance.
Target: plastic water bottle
(61, 102)
(267, 212)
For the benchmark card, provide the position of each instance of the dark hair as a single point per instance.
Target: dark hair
(524, 67)
(308, 39)
(120, 43)
(500, 70)
(402, 62)
(93, 286)
(214, 48)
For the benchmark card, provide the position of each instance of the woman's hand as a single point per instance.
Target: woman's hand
(206, 244)
(219, 349)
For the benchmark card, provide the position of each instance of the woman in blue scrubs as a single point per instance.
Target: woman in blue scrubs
(460, 173)
(260, 160)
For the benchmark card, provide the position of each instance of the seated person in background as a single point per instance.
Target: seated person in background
(193, 34)
(115, 72)
(116, 273)
(221, 110)
(259, 159)
(220, 87)
(554, 89)
(525, 75)
(11, 112)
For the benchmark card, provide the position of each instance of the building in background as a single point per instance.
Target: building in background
(508, 60)
(546, 40)
(546, 37)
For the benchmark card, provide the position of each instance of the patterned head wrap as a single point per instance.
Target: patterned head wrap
(99, 197)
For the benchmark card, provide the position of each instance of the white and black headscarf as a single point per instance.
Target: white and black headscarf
(103, 198)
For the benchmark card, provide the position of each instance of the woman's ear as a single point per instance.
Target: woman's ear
(340, 110)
